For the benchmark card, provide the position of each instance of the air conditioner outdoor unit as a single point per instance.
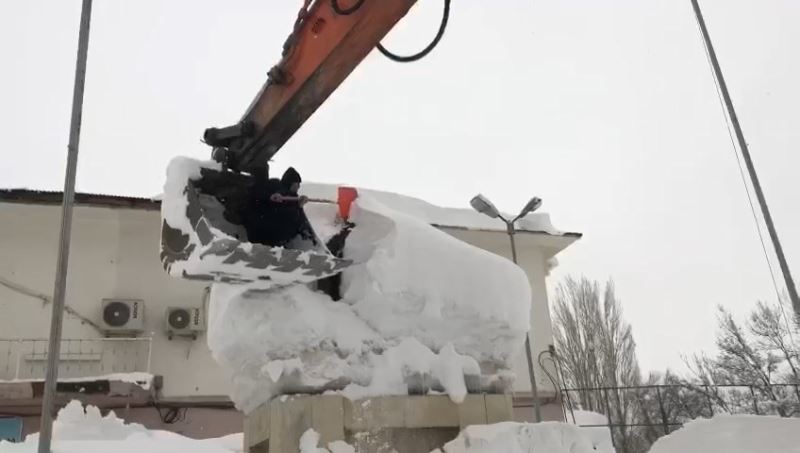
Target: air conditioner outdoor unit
(123, 316)
(185, 321)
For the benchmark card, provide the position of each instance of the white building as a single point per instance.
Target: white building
(115, 255)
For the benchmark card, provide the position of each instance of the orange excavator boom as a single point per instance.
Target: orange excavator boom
(330, 38)
(207, 211)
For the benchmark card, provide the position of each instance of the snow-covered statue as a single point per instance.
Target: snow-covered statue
(419, 310)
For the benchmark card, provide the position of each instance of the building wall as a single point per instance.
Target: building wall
(115, 255)
(194, 422)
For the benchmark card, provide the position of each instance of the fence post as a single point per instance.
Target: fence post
(604, 391)
(797, 393)
(663, 412)
(710, 403)
(570, 405)
(755, 402)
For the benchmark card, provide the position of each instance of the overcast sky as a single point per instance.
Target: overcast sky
(604, 108)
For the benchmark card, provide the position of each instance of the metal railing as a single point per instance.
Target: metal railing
(26, 358)
(638, 415)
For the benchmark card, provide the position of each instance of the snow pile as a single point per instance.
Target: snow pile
(597, 429)
(174, 203)
(436, 215)
(182, 169)
(421, 301)
(513, 437)
(733, 434)
(391, 369)
(79, 431)
(418, 281)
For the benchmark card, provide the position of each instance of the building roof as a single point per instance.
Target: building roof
(454, 218)
(28, 196)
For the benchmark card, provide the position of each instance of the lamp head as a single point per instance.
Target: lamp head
(534, 204)
(484, 206)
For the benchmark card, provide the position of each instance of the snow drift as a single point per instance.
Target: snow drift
(510, 437)
(85, 431)
(597, 431)
(733, 434)
(419, 302)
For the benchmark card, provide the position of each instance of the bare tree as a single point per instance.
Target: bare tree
(756, 368)
(752, 358)
(597, 354)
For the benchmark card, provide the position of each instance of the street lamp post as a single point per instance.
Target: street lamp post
(59, 291)
(484, 206)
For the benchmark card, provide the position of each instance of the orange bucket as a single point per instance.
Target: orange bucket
(346, 197)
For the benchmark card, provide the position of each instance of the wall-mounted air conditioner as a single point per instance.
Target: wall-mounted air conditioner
(122, 316)
(185, 321)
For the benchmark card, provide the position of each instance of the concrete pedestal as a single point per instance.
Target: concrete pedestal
(405, 424)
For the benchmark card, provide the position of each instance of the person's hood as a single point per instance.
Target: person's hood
(291, 176)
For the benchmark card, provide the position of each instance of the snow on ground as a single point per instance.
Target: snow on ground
(510, 437)
(420, 301)
(733, 434)
(84, 430)
(599, 435)
(79, 430)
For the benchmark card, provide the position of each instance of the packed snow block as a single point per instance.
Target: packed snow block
(421, 312)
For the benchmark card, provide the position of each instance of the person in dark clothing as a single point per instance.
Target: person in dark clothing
(275, 214)
(291, 181)
(259, 215)
(294, 223)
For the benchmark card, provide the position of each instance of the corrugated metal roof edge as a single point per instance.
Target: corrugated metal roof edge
(119, 201)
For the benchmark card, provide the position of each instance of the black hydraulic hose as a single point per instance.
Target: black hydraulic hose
(426, 50)
(346, 11)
